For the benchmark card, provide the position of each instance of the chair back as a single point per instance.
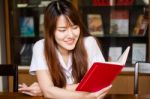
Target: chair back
(10, 70)
(140, 68)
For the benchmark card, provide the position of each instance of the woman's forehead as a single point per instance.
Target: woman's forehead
(64, 21)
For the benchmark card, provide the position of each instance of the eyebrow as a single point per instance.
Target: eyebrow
(61, 27)
(65, 26)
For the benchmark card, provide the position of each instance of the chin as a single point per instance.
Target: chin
(70, 47)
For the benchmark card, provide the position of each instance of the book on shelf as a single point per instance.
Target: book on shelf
(44, 3)
(138, 52)
(34, 2)
(1, 84)
(26, 54)
(101, 2)
(119, 23)
(41, 25)
(141, 2)
(124, 2)
(85, 2)
(102, 74)
(95, 24)
(141, 25)
(27, 26)
(114, 53)
(146, 2)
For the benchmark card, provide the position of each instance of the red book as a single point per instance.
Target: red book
(101, 2)
(124, 2)
(101, 75)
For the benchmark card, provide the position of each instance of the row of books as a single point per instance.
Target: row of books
(138, 52)
(119, 2)
(26, 54)
(32, 3)
(119, 24)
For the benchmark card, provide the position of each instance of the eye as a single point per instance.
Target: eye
(75, 27)
(61, 30)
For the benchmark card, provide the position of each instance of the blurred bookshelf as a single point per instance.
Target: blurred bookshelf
(26, 27)
(122, 23)
(130, 17)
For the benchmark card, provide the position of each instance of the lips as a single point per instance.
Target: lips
(70, 42)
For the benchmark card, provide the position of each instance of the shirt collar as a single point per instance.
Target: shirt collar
(61, 60)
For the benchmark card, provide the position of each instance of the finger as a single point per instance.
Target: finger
(104, 90)
(34, 84)
(25, 89)
(102, 95)
(23, 84)
(28, 93)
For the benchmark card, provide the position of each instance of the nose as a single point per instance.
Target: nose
(70, 32)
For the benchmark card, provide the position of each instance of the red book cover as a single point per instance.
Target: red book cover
(101, 2)
(101, 75)
(124, 2)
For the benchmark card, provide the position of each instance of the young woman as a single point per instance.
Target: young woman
(61, 59)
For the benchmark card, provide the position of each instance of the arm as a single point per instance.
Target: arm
(71, 87)
(50, 91)
(35, 90)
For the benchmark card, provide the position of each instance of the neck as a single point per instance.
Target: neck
(63, 52)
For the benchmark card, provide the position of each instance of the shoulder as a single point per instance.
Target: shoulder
(90, 41)
(39, 44)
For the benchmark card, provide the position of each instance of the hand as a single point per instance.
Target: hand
(32, 90)
(100, 94)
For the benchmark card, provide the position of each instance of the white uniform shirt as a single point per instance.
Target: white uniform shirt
(39, 62)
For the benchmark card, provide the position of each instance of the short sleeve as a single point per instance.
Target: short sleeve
(38, 61)
(93, 51)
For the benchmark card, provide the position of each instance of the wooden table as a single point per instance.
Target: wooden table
(17, 96)
(113, 96)
(127, 96)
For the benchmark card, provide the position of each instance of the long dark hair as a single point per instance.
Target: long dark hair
(79, 54)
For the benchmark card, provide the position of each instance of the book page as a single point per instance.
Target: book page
(123, 58)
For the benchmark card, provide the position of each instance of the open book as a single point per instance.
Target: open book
(101, 75)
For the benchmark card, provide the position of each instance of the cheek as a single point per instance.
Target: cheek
(77, 32)
(58, 36)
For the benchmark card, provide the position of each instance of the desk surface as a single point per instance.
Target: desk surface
(127, 96)
(17, 96)
(116, 96)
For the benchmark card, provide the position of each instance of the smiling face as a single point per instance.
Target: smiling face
(66, 34)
